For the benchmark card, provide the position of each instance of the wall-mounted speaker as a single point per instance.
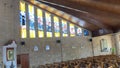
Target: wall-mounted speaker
(58, 41)
(90, 39)
(22, 42)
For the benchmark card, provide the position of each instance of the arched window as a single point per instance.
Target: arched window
(103, 45)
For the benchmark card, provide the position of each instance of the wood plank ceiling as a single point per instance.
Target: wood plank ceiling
(99, 14)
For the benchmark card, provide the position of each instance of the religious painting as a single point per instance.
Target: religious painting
(103, 45)
(10, 54)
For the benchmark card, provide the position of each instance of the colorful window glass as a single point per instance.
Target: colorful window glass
(72, 30)
(86, 32)
(40, 23)
(48, 25)
(56, 26)
(31, 21)
(23, 20)
(64, 28)
(79, 31)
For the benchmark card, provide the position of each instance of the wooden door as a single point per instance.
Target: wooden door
(24, 60)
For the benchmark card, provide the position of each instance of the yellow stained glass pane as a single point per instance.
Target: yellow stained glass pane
(22, 6)
(63, 21)
(23, 33)
(56, 19)
(49, 34)
(40, 34)
(57, 34)
(47, 15)
(65, 35)
(31, 8)
(39, 12)
(32, 33)
(72, 35)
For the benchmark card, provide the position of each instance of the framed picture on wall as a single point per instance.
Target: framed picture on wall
(10, 54)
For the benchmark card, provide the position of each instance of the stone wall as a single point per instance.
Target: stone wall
(97, 44)
(70, 48)
(7, 22)
(113, 41)
(117, 42)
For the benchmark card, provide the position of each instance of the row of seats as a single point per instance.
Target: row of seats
(102, 61)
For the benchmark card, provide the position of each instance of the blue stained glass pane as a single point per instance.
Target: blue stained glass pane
(22, 19)
(48, 27)
(31, 18)
(86, 32)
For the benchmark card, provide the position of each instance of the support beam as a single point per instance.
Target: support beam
(88, 3)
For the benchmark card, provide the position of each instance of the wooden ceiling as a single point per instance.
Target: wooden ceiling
(98, 14)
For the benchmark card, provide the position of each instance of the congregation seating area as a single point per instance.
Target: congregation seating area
(102, 61)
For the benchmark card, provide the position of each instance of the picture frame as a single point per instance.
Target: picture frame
(10, 54)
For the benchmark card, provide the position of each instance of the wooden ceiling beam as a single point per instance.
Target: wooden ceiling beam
(109, 1)
(85, 25)
(87, 17)
(88, 3)
(99, 5)
(105, 15)
(93, 23)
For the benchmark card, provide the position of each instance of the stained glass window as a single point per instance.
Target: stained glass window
(23, 20)
(79, 31)
(56, 27)
(72, 30)
(40, 23)
(31, 21)
(86, 32)
(48, 24)
(64, 28)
